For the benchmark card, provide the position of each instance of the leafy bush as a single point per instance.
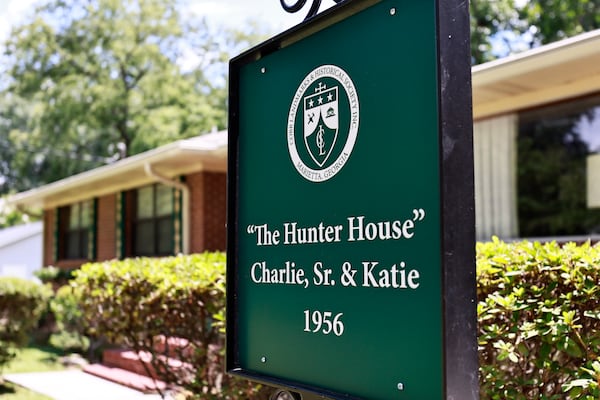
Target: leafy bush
(170, 306)
(54, 275)
(539, 320)
(21, 305)
(69, 322)
(47, 274)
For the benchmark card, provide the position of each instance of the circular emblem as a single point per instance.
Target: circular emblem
(323, 123)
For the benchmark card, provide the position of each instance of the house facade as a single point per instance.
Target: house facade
(537, 172)
(536, 133)
(166, 201)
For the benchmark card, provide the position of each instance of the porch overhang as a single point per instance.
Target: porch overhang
(558, 71)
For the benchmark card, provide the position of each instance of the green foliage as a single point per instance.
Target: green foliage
(9, 215)
(35, 359)
(488, 17)
(526, 24)
(89, 82)
(552, 20)
(69, 322)
(539, 320)
(55, 275)
(47, 274)
(139, 302)
(21, 305)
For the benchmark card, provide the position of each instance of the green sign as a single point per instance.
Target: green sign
(335, 245)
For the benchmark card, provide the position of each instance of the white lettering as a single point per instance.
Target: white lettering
(292, 234)
(359, 229)
(394, 277)
(289, 275)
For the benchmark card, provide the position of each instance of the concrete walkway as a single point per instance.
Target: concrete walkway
(75, 385)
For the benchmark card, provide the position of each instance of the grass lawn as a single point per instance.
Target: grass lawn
(35, 359)
(30, 359)
(8, 391)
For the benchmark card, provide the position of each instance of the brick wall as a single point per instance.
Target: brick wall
(215, 210)
(208, 211)
(48, 256)
(106, 241)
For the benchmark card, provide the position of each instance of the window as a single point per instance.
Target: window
(153, 225)
(75, 225)
(553, 145)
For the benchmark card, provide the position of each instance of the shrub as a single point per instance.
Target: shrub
(140, 303)
(47, 274)
(21, 305)
(69, 322)
(539, 320)
(56, 276)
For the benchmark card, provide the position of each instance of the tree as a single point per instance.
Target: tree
(10, 216)
(552, 20)
(488, 19)
(527, 23)
(100, 80)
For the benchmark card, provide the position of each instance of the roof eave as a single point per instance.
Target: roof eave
(211, 150)
(521, 81)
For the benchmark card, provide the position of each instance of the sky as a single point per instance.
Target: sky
(219, 12)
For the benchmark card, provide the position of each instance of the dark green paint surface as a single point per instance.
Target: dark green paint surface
(390, 335)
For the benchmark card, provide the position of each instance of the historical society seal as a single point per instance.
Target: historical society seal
(323, 123)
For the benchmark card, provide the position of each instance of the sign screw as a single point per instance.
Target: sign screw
(400, 386)
(263, 70)
(393, 11)
(263, 359)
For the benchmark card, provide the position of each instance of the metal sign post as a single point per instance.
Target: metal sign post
(351, 216)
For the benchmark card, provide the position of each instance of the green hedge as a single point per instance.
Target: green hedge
(539, 320)
(139, 302)
(69, 335)
(21, 305)
(538, 311)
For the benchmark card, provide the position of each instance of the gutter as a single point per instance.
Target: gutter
(185, 211)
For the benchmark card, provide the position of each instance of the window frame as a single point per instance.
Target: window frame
(539, 119)
(156, 220)
(74, 240)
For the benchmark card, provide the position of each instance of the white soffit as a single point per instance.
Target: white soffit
(550, 73)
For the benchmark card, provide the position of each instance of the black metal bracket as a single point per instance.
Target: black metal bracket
(299, 4)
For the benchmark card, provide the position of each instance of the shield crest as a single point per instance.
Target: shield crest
(321, 123)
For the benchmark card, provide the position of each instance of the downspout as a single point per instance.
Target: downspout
(185, 208)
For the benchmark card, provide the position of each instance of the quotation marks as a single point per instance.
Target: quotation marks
(418, 215)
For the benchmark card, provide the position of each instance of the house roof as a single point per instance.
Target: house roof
(18, 233)
(202, 153)
(550, 73)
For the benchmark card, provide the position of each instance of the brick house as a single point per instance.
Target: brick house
(165, 201)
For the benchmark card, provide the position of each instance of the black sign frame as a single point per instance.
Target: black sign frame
(457, 198)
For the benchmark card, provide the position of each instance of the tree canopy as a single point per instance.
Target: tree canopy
(523, 24)
(88, 82)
